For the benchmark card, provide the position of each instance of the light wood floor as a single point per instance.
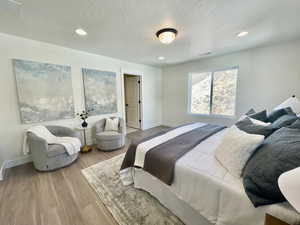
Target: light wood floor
(62, 197)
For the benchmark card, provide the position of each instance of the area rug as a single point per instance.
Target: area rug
(129, 206)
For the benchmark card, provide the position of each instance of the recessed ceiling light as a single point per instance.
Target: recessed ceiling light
(166, 35)
(81, 32)
(242, 34)
(161, 58)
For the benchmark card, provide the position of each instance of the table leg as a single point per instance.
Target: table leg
(84, 137)
(85, 148)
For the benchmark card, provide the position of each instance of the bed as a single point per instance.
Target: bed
(202, 192)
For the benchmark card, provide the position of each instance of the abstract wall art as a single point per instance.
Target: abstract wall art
(100, 89)
(44, 90)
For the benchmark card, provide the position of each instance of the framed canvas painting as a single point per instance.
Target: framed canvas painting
(100, 89)
(45, 91)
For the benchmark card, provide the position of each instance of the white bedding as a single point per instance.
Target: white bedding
(204, 184)
(207, 187)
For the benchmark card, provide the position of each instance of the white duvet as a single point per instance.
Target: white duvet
(206, 186)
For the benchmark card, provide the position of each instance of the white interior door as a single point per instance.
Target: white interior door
(132, 98)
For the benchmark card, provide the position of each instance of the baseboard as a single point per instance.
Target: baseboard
(17, 162)
(151, 125)
(12, 163)
(2, 170)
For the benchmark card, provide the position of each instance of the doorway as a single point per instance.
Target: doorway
(133, 102)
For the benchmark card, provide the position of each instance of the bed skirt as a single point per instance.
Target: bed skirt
(145, 181)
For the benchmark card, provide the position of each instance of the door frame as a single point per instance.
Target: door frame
(123, 73)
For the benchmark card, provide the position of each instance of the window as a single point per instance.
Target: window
(213, 93)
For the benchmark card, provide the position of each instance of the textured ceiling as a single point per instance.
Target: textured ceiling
(125, 29)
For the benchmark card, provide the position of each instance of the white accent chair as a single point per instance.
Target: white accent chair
(109, 140)
(47, 157)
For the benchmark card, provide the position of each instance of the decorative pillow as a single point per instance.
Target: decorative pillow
(262, 116)
(295, 125)
(251, 128)
(112, 124)
(258, 122)
(284, 121)
(290, 111)
(292, 102)
(235, 149)
(254, 121)
(275, 114)
(251, 111)
(279, 153)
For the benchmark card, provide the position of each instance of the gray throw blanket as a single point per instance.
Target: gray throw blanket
(279, 153)
(160, 160)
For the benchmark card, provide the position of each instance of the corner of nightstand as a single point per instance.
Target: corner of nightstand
(271, 220)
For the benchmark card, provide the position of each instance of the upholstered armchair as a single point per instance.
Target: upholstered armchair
(109, 140)
(50, 157)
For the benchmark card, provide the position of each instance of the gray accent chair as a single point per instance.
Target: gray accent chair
(109, 140)
(51, 157)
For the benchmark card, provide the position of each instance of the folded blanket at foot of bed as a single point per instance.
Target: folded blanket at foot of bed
(158, 154)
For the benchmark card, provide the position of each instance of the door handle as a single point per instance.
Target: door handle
(126, 105)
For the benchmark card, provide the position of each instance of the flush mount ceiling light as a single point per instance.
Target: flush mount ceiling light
(15, 2)
(161, 58)
(205, 53)
(81, 32)
(166, 35)
(242, 34)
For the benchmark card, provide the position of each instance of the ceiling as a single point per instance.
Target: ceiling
(125, 29)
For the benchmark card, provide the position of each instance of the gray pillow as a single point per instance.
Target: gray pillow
(251, 111)
(251, 128)
(295, 125)
(274, 115)
(279, 153)
(284, 121)
(262, 116)
(290, 111)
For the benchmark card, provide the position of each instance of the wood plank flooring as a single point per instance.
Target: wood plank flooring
(62, 197)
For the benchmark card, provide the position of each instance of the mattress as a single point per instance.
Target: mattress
(204, 189)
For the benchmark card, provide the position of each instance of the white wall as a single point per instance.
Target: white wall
(267, 76)
(11, 129)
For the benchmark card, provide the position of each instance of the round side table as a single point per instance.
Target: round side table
(86, 148)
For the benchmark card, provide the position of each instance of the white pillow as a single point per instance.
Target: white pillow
(292, 102)
(235, 149)
(112, 124)
(254, 121)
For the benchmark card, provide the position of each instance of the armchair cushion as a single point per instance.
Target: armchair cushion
(55, 150)
(61, 131)
(108, 135)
